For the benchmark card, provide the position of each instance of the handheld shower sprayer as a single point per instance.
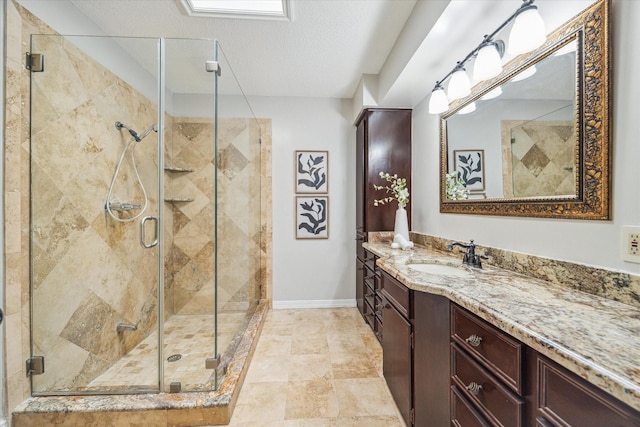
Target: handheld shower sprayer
(110, 205)
(120, 125)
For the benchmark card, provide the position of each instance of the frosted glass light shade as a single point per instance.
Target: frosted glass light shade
(459, 85)
(488, 63)
(492, 93)
(528, 32)
(468, 109)
(438, 102)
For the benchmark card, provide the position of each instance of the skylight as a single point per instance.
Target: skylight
(256, 9)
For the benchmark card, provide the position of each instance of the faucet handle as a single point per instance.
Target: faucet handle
(477, 260)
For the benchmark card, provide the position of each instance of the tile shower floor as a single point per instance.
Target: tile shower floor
(316, 367)
(190, 336)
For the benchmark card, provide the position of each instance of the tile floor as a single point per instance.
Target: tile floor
(316, 367)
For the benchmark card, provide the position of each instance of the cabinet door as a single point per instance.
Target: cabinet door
(431, 360)
(397, 358)
(387, 148)
(360, 164)
(567, 400)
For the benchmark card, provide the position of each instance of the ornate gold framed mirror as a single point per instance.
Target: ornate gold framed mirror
(542, 147)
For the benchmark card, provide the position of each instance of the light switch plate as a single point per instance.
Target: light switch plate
(630, 243)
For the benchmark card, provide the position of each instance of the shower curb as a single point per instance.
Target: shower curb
(171, 409)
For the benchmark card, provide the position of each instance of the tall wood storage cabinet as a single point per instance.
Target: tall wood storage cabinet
(383, 144)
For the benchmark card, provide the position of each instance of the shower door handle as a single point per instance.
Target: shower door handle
(143, 240)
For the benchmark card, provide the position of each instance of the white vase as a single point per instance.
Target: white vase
(402, 224)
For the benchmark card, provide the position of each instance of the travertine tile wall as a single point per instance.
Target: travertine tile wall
(538, 168)
(89, 270)
(84, 222)
(191, 276)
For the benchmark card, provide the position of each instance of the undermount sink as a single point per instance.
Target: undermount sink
(441, 269)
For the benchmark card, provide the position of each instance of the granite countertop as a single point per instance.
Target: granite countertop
(594, 337)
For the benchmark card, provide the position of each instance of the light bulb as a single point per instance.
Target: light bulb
(438, 102)
(488, 63)
(492, 94)
(528, 31)
(459, 85)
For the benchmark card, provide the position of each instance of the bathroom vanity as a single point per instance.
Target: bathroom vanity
(490, 347)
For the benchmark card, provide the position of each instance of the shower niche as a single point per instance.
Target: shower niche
(145, 215)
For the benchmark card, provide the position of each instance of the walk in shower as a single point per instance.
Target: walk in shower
(145, 214)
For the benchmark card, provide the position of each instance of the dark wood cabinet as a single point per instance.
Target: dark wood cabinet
(506, 383)
(431, 359)
(383, 144)
(445, 366)
(368, 299)
(487, 369)
(415, 352)
(561, 398)
(397, 358)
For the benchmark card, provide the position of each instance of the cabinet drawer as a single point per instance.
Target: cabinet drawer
(497, 351)
(370, 285)
(397, 294)
(369, 313)
(463, 414)
(370, 261)
(567, 400)
(500, 405)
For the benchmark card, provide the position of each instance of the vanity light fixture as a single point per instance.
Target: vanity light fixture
(439, 103)
(488, 63)
(459, 84)
(527, 33)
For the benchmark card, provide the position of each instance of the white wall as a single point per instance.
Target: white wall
(312, 273)
(594, 243)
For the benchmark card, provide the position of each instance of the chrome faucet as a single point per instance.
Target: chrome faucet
(469, 257)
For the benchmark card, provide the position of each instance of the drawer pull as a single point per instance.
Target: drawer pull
(474, 340)
(474, 388)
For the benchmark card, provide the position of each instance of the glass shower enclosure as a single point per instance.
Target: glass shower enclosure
(145, 214)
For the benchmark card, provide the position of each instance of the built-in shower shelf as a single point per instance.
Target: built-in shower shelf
(177, 169)
(178, 200)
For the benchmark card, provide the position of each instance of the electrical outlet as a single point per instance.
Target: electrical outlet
(631, 243)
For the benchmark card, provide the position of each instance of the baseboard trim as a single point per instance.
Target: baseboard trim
(328, 303)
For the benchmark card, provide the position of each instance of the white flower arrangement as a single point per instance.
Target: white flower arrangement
(398, 188)
(456, 189)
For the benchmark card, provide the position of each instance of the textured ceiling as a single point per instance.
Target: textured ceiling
(323, 52)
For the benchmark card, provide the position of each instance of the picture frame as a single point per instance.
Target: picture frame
(477, 195)
(470, 167)
(312, 171)
(312, 217)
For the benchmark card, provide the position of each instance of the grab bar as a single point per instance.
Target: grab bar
(143, 240)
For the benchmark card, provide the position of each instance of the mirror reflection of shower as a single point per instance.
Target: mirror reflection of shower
(112, 206)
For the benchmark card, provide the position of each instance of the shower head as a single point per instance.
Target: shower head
(134, 134)
(153, 127)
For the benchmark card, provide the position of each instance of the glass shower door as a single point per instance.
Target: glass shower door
(95, 208)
